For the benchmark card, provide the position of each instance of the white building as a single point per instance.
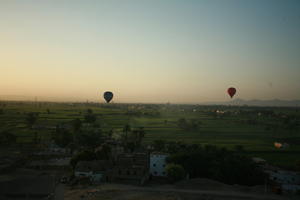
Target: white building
(96, 171)
(288, 180)
(284, 177)
(158, 164)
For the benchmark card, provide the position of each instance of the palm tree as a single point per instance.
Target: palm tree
(126, 129)
(141, 135)
(76, 127)
(31, 119)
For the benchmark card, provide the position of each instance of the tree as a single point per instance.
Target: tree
(36, 138)
(89, 111)
(159, 145)
(131, 146)
(182, 123)
(90, 117)
(218, 164)
(103, 152)
(90, 139)
(76, 124)
(82, 156)
(7, 138)
(72, 146)
(48, 111)
(31, 118)
(141, 135)
(126, 130)
(172, 147)
(239, 148)
(110, 133)
(62, 137)
(175, 172)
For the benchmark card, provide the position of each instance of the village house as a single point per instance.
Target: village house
(115, 149)
(158, 164)
(96, 171)
(132, 168)
(289, 181)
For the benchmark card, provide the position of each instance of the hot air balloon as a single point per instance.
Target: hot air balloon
(277, 145)
(231, 91)
(108, 96)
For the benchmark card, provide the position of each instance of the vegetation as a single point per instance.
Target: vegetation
(86, 155)
(175, 172)
(7, 138)
(31, 118)
(218, 164)
(171, 126)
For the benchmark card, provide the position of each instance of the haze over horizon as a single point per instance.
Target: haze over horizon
(150, 51)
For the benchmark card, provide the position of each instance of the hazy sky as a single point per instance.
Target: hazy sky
(150, 51)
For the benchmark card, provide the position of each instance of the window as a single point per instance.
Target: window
(154, 165)
(164, 173)
(155, 172)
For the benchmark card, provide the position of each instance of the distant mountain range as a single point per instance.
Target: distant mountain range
(234, 102)
(256, 102)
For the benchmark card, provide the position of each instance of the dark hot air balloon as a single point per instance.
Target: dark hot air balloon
(108, 96)
(231, 91)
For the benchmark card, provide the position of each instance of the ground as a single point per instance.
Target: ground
(169, 192)
(160, 122)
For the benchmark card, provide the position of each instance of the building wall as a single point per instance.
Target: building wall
(284, 177)
(290, 188)
(97, 177)
(158, 165)
(85, 174)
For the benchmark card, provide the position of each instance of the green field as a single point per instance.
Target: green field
(238, 126)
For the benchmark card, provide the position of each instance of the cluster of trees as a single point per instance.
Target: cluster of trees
(188, 125)
(31, 118)
(229, 167)
(90, 139)
(133, 137)
(175, 172)
(290, 123)
(171, 146)
(138, 113)
(62, 137)
(90, 117)
(71, 132)
(101, 153)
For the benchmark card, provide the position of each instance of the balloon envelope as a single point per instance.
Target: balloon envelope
(108, 96)
(277, 145)
(231, 91)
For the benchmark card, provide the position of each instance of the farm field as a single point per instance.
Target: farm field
(252, 127)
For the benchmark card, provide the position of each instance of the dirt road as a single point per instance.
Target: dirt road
(168, 192)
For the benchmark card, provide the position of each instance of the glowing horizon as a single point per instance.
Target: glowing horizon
(150, 51)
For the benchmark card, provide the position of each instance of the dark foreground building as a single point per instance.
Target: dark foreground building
(35, 188)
